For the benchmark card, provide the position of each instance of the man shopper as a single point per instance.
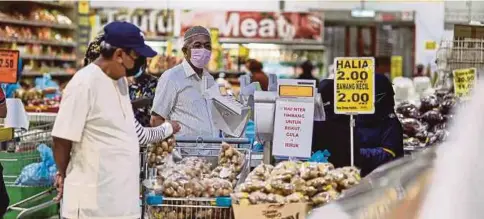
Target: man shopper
(179, 94)
(96, 147)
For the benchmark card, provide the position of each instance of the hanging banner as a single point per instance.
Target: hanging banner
(396, 67)
(464, 81)
(354, 85)
(154, 23)
(288, 26)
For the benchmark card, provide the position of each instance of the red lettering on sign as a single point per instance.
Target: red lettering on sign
(291, 145)
(293, 122)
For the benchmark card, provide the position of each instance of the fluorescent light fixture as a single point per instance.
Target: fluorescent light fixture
(362, 13)
(156, 43)
(262, 46)
(230, 45)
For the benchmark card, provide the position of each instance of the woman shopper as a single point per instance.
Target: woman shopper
(380, 134)
(255, 68)
(307, 72)
(333, 134)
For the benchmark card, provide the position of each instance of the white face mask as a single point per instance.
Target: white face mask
(200, 57)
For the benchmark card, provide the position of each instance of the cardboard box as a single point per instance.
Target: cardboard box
(271, 211)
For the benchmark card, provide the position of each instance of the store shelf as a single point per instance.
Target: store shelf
(42, 42)
(55, 4)
(54, 73)
(49, 58)
(37, 24)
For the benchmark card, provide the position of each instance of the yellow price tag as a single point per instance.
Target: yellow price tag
(396, 67)
(295, 91)
(464, 81)
(83, 7)
(354, 85)
(430, 45)
(214, 33)
(169, 48)
(243, 51)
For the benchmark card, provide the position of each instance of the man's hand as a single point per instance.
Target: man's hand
(156, 120)
(175, 125)
(59, 185)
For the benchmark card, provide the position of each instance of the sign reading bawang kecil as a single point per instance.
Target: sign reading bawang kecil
(354, 85)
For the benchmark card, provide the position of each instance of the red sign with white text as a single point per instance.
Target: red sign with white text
(288, 26)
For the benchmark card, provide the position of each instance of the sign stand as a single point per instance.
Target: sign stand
(352, 139)
(354, 91)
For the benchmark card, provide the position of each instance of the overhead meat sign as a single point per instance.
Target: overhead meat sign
(293, 26)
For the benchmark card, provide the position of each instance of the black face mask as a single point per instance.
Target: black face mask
(139, 66)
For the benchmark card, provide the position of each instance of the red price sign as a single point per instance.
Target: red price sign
(8, 65)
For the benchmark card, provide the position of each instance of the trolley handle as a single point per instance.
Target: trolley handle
(212, 140)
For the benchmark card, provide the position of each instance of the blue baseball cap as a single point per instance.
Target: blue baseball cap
(127, 36)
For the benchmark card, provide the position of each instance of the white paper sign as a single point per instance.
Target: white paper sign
(16, 115)
(293, 129)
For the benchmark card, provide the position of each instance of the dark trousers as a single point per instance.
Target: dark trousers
(4, 200)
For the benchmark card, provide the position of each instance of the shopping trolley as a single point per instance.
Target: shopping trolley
(156, 207)
(28, 201)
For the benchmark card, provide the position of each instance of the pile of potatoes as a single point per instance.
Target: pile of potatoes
(292, 182)
(230, 164)
(193, 177)
(159, 151)
(188, 213)
(229, 156)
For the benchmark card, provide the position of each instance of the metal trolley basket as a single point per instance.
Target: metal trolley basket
(158, 207)
(28, 201)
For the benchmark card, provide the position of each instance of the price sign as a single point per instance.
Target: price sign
(296, 91)
(83, 7)
(396, 67)
(8, 65)
(354, 85)
(464, 81)
(293, 129)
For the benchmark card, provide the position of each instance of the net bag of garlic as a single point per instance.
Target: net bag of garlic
(230, 164)
(293, 182)
(159, 152)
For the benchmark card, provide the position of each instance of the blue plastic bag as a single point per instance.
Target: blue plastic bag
(320, 156)
(250, 134)
(45, 82)
(39, 174)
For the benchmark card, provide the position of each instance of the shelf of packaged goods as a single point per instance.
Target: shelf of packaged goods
(37, 23)
(49, 57)
(42, 42)
(66, 5)
(52, 73)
